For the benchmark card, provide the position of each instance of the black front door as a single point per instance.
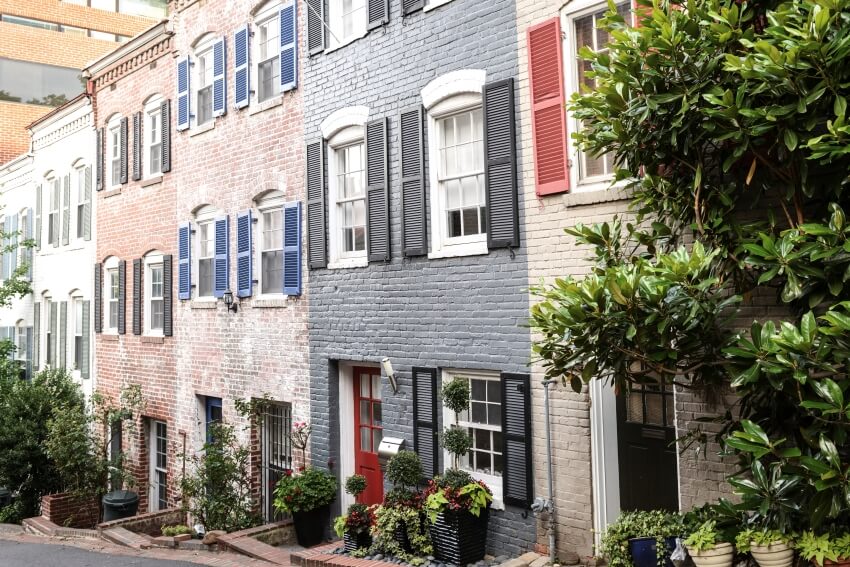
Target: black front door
(645, 436)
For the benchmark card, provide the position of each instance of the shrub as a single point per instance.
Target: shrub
(308, 490)
(455, 394)
(357, 520)
(404, 469)
(657, 524)
(355, 485)
(177, 529)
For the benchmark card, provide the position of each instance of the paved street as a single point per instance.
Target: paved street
(16, 554)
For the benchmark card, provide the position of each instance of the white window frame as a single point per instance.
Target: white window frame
(337, 38)
(441, 245)
(152, 261)
(54, 207)
(204, 216)
(495, 483)
(24, 253)
(21, 341)
(269, 202)
(346, 137)
(109, 267)
(113, 153)
(569, 14)
(432, 4)
(155, 469)
(203, 50)
(152, 112)
(79, 210)
(270, 11)
(77, 319)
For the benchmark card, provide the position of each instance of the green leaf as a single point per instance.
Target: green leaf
(790, 140)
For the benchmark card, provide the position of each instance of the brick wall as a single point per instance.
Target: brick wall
(69, 511)
(14, 119)
(449, 313)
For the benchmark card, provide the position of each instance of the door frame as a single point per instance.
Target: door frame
(345, 393)
(604, 457)
(153, 469)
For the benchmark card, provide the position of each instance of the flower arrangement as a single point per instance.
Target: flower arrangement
(456, 491)
(311, 489)
(358, 520)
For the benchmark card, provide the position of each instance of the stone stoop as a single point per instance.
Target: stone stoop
(125, 537)
(256, 549)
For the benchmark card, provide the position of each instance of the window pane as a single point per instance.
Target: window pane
(273, 272)
(494, 391)
(145, 8)
(365, 392)
(454, 228)
(364, 413)
(78, 317)
(494, 414)
(365, 439)
(205, 105)
(470, 221)
(269, 78)
(377, 435)
(376, 386)
(479, 412)
(156, 314)
(478, 390)
(376, 414)
(205, 277)
(34, 83)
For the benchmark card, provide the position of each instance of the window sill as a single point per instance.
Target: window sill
(198, 130)
(431, 6)
(268, 302)
(594, 194)
(344, 263)
(109, 336)
(273, 102)
(153, 339)
(459, 250)
(111, 192)
(203, 304)
(151, 181)
(352, 39)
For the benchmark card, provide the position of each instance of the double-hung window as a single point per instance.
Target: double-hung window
(351, 200)
(347, 21)
(461, 175)
(112, 299)
(206, 258)
(53, 212)
(21, 343)
(78, 332)
(154, 305)
(115, 153)
(271, 255)
(153, 139)
(204, 106)
(268, 65)
(82, 201)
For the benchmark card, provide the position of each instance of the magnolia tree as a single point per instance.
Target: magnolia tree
(728, 123)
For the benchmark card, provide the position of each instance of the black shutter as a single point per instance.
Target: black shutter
(379, 13)
(84, 363)
(98, 168)
(137, 297)
(377, 194)
(36, 334)
(165, 135)
(62, 335)
(316, 233)
(122, 297)
(414, 235)
(517, 477)
(38, 191)
(98, 298)
(167, 317)
(500, 164)
(66, 213)
(425, 419)
(122, 146)
(137, 146)
(315, 26)
(410, 6)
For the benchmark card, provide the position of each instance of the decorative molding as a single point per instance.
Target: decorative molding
(132, 61)
(453, 83)
(50, 136)
(343, 118)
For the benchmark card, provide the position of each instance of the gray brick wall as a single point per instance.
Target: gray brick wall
(449, 313)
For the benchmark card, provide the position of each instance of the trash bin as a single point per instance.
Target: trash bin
(120, 504)
(5, 497)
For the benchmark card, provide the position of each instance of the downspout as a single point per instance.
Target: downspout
(548, 505)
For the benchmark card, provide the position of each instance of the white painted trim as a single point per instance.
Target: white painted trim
(346, 428)
(269, 202)
(343, 118)
(452, 84)
(432, 4)
(153, 258)
(206, 215)
(604, 468)
(111, 263)
(335, 39)
(152, 107)
(350, 136)
(269, 12)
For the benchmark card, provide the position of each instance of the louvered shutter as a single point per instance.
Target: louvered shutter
(98, 298)
(548, 120)
(29, 353)
(38, 192)
(500, 165)
(377, 193)
(5, 225)
(165, 135)
(167, 303)
(15, 242)
(66, 212)
(184, 261)
(85, 365)
(219, 78)
(244, 259)
(414, 236)
(222, 255)
(62, 335)
(517, 477)
(137, 146)
(123, 149)
(27, 252)
(87, 206)
(183, 106)
(292, 248)
(315, 26)
(242, 69)
(316, 232)
(36, 342)
(288, 48)
(122, 297)
(51, 322)
(137, 296)
(101, 134)
(410, 6)
(425, 419)
(379, 13)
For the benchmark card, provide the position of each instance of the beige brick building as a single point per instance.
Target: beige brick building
(43, 46)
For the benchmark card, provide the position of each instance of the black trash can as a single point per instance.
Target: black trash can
(5, 497)
(120, 504)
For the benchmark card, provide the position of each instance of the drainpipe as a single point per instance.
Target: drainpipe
(548, 505)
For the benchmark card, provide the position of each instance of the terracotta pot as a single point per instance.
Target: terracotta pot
(721, 555)
(777, 554)
(842, 562)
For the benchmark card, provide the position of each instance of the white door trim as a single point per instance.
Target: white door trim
(605, 462)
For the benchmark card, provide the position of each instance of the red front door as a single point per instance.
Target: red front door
(368, 431)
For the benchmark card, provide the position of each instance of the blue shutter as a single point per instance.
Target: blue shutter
(183, 106)
(184, 261)
(244, 268)
(222, 256)
(241, 62)
(292, 248)
(219, 78)
(288, 48)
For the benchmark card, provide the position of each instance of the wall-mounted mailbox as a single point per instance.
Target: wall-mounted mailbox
(389, 447)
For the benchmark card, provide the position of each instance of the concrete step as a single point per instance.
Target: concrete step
(125, 537)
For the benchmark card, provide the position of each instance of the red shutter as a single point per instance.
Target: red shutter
(549, 120)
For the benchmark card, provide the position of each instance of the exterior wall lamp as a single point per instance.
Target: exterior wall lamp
(388, 370)
(228, 301)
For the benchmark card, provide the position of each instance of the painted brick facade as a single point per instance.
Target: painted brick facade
(250, 154)
(464, 312)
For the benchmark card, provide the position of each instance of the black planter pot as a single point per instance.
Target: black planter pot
(355, 541)
(310, 526)
(460, 537)
(120, 504)
(400, 536)
(644, 554)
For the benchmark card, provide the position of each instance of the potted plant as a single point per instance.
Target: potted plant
(770, 548)
(353, 526)
(825, 550)
(307, 496)
(642, 539)
(706, 548)
(458, 506)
